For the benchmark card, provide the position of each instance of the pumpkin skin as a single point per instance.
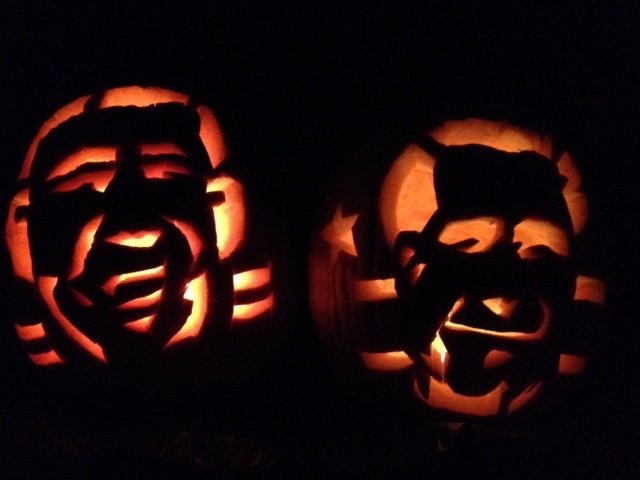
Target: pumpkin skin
(451, 271)
(130, 236)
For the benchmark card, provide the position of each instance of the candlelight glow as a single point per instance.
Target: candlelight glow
(46, 286)
(142, 239)
(242, 313)
(198, 290)
(30, 332)
(386, 361)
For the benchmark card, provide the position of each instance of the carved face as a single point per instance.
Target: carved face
(130, 225)
(472, 290)
(486, 278)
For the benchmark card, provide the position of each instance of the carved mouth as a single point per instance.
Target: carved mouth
(137, 289)
(520, 320)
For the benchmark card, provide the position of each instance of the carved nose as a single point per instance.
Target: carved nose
(138, 239)
(501, 306)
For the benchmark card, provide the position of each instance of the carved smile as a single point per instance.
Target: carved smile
(136, 289)
(499, 317)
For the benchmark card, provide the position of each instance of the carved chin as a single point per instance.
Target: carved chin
(472, 369)
(439, 396)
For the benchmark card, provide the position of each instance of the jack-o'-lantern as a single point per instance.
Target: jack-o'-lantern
(455, 269)
(130, 233)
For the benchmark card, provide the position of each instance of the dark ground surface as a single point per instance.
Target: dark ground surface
(297, 88)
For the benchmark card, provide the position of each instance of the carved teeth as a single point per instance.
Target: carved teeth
(500, 306)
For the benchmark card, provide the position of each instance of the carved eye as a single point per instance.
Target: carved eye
(540, 238)
(164, 169)
(96, 180)
(163, 160)
(472, 235)
(88, 167)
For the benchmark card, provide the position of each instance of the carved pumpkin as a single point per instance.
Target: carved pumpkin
(131, 235)
(454, 269)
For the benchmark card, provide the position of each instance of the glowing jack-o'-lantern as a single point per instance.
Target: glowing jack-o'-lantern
(130, 232)
(456, 270)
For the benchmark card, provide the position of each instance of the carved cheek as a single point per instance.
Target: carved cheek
(83, 245)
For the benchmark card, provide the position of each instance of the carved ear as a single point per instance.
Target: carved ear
(17, 238)
(227, 201)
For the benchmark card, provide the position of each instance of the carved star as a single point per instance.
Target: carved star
(339, 234)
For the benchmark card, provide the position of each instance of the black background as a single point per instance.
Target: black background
(296, 88)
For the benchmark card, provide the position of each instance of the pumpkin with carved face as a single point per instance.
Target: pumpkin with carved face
(455, 270)
(131, 235)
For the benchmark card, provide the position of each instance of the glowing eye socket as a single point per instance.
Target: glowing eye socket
(471, 235)
(96, 181)
(539, 237)
(164, 170)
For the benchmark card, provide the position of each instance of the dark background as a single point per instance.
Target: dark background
(297, 88)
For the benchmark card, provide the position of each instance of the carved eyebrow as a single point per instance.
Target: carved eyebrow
(165, 148)
(84, 159)
(76, 178)
(160, 160)
(163, 167)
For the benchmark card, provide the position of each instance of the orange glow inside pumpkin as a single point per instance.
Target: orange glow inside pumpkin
(251, 278)
(501, 306)
(123, 279)
(85, 155)
(65, 113)
(407, 197)
(196, 292)
(156, 163)
(162, 148)
(252, 281)
(140, 97)
(248, 311)
(442, 397)
(386, 361)
(195, 243)
(571, 364)
(141, 325)
(497, 358)
(370, 290)
(17, 238)
(589, 289)
(46, 358)
(85, 241)
(536, 336)
(142, 239)
(485, 231)
(46, 286)
(211, 136)
(142, 302)
(30, 332)
(500, 135)
(407, 202)
(229, 215)
(339, 234)
(532, 232)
